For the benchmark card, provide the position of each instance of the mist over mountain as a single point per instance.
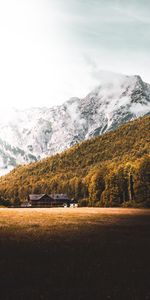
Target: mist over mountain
(31, 134)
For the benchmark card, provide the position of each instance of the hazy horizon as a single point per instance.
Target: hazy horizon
(52, 51)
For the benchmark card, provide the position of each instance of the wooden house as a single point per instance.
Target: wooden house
(44, 200)
(60, 199)
(40, 200)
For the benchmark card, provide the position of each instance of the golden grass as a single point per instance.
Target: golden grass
(39, 220)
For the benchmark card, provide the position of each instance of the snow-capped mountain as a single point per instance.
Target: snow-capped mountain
(31, 134)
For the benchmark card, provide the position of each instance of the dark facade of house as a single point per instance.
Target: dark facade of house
(44, 200)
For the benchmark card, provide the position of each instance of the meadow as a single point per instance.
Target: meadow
(81, 253)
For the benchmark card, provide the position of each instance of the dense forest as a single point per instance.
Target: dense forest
(109, 170)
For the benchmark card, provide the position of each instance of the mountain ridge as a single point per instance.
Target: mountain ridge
(35, 133)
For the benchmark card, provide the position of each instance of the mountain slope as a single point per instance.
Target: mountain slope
(38, 132)
(106, 168)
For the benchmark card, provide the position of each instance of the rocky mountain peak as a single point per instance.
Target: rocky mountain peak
(34, 133)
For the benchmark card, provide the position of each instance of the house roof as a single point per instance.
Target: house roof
(36, 197)
(59, 196)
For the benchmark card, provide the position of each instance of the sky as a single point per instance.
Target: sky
(51, 50)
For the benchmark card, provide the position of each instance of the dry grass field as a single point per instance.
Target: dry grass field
(82, 253)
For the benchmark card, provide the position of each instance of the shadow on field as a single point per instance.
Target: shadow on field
(90, 260)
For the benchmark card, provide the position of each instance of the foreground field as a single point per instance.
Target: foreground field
(83, 253)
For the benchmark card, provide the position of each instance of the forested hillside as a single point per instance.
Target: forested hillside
(110, 170)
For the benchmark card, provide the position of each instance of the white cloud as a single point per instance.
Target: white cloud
(51, 51)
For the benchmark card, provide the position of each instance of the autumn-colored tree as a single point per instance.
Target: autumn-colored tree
(96, 184)
(142, 181)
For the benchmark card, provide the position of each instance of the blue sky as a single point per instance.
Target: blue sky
(53, 50)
